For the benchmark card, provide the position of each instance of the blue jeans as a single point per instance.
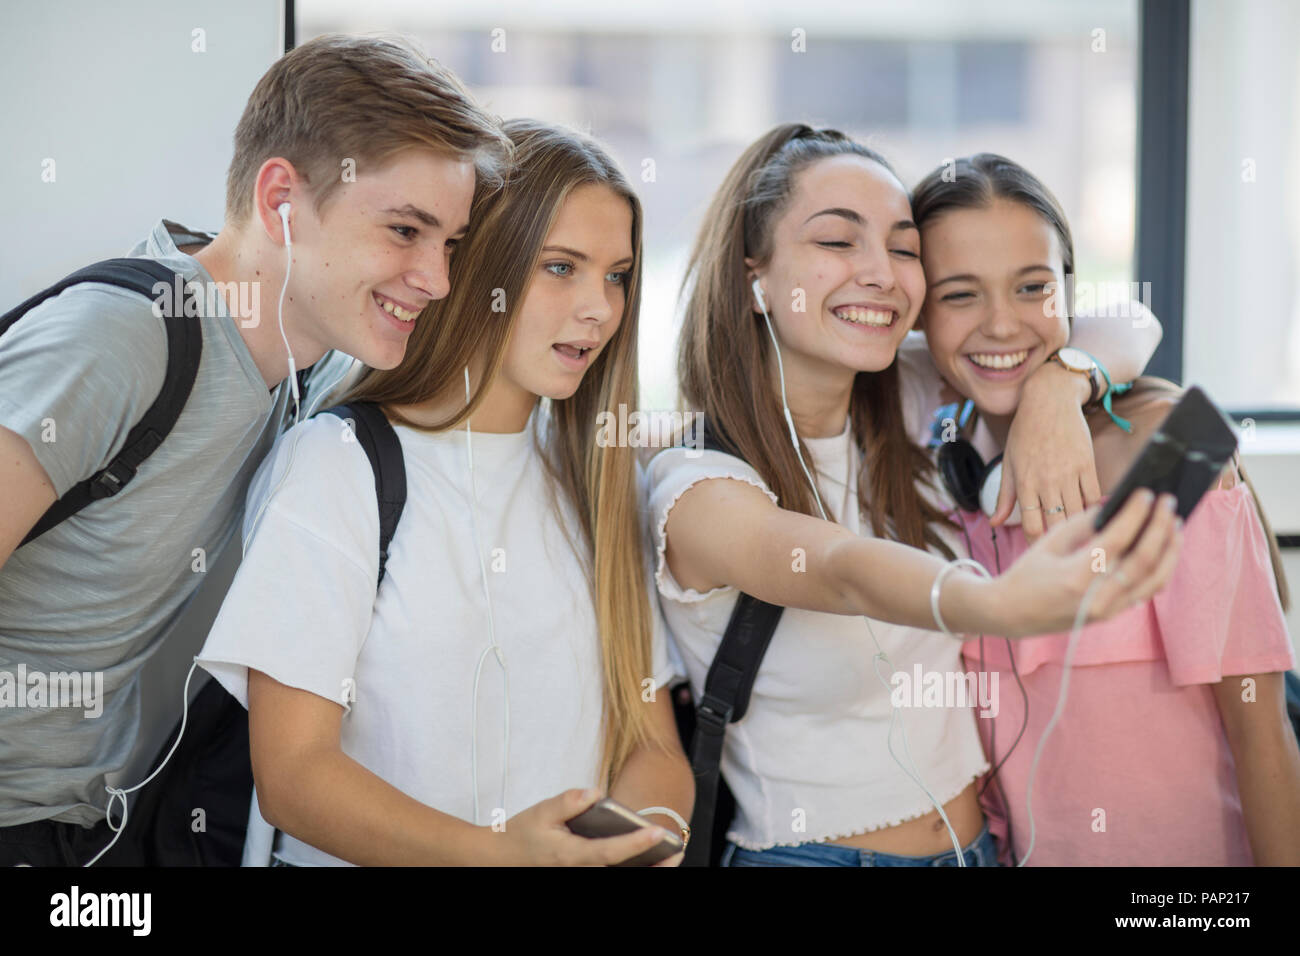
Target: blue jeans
(981, 851)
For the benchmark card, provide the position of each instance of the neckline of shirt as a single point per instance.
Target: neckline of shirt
(830, 454)
(495, 440)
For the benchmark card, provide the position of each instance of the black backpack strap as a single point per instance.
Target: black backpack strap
(1291, 685)
(384, 449)
(726, 698)
(303, 376)
(727, 689)
(184, 350)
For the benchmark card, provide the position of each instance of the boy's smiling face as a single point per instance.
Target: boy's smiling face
(378, 253)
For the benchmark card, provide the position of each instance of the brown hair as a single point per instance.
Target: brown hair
(495, 263)
(341, 97)
(974, 182)
(724, 351)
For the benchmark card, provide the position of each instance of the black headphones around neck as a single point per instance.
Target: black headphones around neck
(961, 468)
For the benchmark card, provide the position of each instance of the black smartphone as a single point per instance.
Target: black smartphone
(1184, 457)
(606, 818)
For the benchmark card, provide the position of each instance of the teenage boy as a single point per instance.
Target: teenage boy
(377, 151)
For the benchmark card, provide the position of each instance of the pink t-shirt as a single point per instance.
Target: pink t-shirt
(1138, 771)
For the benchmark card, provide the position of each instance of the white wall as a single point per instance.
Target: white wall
(1242, 296)
(138, 124)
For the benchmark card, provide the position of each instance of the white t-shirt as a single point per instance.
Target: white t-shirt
(303, 609)
(810, 761)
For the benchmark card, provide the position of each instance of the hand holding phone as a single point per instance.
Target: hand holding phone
(607, 818)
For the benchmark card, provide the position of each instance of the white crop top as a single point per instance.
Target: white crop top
(809, 762)
(403, 661)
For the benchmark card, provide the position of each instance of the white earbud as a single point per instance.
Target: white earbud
(785, 403)
(283, 209)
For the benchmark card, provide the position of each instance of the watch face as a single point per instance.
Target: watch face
(1075, 359)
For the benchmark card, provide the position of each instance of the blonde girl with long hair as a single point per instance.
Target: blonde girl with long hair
(502, 676)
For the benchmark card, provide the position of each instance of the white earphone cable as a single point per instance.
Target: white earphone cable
(279, 310)
(493, 646)
(1076, 630)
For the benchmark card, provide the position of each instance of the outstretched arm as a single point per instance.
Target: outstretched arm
(725, 532)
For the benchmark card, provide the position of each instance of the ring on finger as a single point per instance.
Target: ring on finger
(1028, 507)
(1055, 511)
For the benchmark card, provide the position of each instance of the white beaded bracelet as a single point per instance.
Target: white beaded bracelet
(938, 583)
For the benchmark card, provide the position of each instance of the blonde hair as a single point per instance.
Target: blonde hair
(501, 255)
(340, 97)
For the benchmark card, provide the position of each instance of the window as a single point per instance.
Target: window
(689, 84)
(1241, 328)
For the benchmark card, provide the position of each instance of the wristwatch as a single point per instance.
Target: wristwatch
(1077, 360)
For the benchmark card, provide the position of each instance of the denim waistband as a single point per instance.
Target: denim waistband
(982, 851)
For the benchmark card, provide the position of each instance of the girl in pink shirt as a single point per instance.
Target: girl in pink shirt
(1173, 747)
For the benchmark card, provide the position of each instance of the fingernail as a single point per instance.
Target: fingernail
(1171, 502)
(590, 794)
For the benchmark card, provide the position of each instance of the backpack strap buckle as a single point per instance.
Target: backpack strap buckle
(713, 716)
(107, 483)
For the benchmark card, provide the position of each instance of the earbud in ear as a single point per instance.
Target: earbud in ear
(283, 209)
(757, 286)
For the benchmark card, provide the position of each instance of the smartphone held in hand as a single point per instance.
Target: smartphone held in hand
(607, 818)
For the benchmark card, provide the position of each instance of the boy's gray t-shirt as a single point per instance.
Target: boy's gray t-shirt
(99, 593)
